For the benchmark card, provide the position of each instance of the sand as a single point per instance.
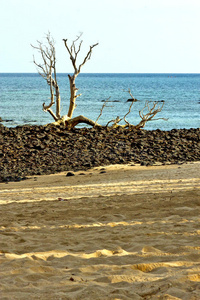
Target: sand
(119, 232)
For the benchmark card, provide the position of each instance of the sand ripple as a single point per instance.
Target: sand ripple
(130, 240)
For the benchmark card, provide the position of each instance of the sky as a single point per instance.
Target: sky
(134, 36)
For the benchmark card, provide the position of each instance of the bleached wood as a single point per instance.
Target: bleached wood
(48, 71)
(73, 53)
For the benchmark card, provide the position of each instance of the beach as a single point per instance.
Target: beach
(113, 232)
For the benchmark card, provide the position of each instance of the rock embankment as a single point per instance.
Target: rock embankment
(35, 150)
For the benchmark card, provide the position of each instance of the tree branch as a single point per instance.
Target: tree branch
(88, 56)
(48, 71)
(71, 123)
(129, 91)
(152, 111)
(101, 111)
(73, 53)
(128, 114)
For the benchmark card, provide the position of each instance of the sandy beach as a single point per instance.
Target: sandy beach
(117, 232)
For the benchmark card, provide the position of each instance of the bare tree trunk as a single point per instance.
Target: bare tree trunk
(58, 100)
(73, 96)
(73, 52)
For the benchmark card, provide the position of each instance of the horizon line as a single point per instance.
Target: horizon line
(106, 73)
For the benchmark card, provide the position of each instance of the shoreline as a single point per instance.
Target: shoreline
(105, 181)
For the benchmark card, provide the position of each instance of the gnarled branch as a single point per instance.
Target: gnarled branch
(101, 111)
(73, 52)
(71, 123)
(128, 114)
(152, 111)
(48, 71)
(149, 116)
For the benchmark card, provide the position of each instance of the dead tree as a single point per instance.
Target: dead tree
(48, 71)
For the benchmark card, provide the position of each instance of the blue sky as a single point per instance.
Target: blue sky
(134, 36)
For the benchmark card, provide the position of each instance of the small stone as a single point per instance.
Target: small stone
(102, 172)
(71, 279)
(70, 174)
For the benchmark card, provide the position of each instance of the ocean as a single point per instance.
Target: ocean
(22, 96)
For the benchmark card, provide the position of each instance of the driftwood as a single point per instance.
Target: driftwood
(48, 71)
(149, 116)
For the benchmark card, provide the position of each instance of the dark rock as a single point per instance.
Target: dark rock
(70, 174)
(131, 100)
(7, 120)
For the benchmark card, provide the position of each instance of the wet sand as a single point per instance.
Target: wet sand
(119, 232)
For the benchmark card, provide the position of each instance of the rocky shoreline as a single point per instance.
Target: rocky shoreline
(36, 150)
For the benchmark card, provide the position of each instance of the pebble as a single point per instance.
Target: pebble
(70, 174)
